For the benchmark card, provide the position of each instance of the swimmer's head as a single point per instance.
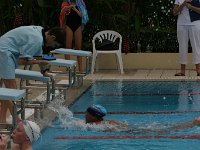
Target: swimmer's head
(196, 121)
(96, 113)
(26, 131)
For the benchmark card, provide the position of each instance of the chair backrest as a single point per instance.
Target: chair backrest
(107, 40)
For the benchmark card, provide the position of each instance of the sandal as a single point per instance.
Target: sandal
(179, 74)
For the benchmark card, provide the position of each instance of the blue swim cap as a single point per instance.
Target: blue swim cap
(97, 110)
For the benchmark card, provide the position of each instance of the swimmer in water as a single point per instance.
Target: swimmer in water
(22, 137)
(94, 115)
(94, 120)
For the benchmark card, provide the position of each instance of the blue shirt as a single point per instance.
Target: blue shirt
(24, 41)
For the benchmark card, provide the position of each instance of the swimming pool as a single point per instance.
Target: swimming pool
(141, 105)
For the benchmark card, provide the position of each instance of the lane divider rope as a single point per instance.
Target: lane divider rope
(130, 137)
(147, 94)
(152, 112)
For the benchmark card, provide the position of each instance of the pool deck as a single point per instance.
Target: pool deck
(143, 74)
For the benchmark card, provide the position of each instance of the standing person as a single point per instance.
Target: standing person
(194, 32)
(23, 136)
(20, 44)
(183, 24)
(73, 17)
(184, 34)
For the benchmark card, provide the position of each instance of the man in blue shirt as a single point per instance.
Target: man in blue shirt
(19, 46)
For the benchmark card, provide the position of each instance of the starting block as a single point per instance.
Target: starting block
(15, 96)
(37, 76)
(82, 53)
(70, 64)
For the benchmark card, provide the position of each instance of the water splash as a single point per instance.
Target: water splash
(67, 120)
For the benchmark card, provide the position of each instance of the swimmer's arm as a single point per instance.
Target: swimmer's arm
(171, 128)
(187, 125)
(45, 67)
(76, 10)
(117, 123)
(43, 64)
(3, 143)
(23, 61)
(119, 126)
(181, 126)
(65, 8)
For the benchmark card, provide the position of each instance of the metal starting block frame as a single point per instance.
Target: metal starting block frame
(82, 53)
(68, 64)
(15, 96)
(36, 76)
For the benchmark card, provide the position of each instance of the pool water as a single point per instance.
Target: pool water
(142, 105)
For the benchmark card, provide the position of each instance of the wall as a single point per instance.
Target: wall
(138, 61)
(145, 61)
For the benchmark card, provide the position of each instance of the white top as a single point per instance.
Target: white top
(183, 17)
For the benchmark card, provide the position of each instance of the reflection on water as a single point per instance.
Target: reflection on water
(189, 96)
(172, 102)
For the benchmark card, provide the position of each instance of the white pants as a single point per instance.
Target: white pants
(194, 34)
(184, 33)
(183, 39)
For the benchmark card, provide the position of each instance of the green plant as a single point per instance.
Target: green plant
(150, 22)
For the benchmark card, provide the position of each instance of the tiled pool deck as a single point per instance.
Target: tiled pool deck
(143, 74)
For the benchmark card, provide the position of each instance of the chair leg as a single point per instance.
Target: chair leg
(93, 62)
(120, 63)
(97, 63)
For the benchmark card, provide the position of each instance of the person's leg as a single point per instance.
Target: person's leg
(69, 38)
(7, 74)
(198, 69)
(183, 39)
(9, 83)
(78, 46)
(183, 66)
(195, 38)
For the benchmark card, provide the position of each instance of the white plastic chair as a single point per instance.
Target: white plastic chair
(111, 36)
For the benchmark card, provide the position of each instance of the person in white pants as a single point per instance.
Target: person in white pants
(187, 30)
(194, 32)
